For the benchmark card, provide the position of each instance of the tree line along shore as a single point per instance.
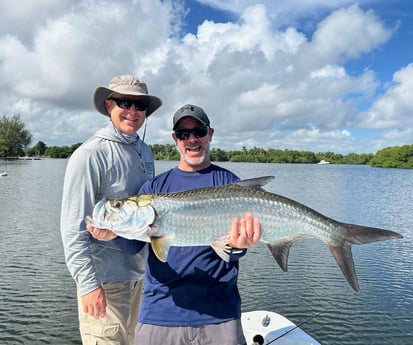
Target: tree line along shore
(15, 140)
(390, 157)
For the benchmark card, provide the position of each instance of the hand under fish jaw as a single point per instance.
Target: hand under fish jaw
(100, 234)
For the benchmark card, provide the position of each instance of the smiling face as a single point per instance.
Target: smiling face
(194, 151)
(128, 121)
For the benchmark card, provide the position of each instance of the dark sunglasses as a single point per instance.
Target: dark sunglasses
(126, 103)
(198, 132)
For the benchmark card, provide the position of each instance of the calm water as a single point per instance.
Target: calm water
(37, 295)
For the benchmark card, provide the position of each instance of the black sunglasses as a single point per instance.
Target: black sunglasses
(126, 103)
(198, 132)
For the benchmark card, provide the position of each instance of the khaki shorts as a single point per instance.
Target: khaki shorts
(225, 333)
(123, 301)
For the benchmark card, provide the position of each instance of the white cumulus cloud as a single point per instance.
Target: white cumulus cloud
(263, 84)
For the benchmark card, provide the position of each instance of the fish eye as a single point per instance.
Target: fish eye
(117, 204)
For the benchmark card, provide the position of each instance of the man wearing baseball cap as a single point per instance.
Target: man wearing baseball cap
(113, 163)
(193, 297)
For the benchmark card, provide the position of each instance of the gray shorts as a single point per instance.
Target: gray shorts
(225, 333)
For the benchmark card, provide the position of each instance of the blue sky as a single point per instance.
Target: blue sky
(384, 61)
(315, 75)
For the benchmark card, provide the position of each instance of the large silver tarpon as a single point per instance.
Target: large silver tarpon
(203, 217)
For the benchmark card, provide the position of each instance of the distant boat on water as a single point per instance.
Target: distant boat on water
(26, 158)
(323, 162)
(3, 174)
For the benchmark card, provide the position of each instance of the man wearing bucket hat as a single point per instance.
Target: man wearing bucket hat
(113, 163)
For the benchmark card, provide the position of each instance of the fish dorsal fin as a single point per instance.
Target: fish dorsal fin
(256, 182)
(161, 245)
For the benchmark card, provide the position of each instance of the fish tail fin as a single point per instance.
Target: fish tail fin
(344, 259)
(356, 234)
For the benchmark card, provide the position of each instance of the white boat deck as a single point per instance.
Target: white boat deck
(273, 329)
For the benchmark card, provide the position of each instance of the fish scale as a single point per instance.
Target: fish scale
(203, 217)
(212, 214)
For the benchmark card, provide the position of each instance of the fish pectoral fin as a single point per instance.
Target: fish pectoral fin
(161, 245)
(280, 251)
(221, 247)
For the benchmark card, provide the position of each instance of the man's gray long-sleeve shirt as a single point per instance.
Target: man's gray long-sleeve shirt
(103, 166)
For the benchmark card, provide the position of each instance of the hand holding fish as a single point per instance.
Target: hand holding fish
(100, 234)
(245, 232)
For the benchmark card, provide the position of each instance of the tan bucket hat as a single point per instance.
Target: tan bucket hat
(125, 85)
